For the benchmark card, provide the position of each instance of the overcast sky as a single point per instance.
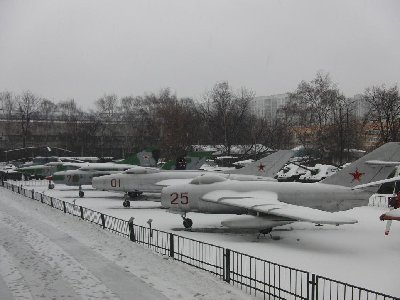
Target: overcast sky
(82, 49)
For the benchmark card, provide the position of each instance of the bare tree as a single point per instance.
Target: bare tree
(71, 115)
(47, 111)
(312, 103)
(345, 130)
(28, 105)
(385, 111)
(228, 115)
(8, 106)
(107, 108)
(179, 122)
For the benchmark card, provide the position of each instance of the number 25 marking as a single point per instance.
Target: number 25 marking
(184, 198)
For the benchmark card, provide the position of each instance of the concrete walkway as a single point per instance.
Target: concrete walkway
(45, 254)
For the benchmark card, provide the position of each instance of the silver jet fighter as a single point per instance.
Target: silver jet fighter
(85, 174)
(138, 180)
(270, 204)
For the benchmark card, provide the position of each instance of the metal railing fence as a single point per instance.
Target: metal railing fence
(256, 276)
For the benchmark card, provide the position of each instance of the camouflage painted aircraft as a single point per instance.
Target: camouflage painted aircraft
(85, 173)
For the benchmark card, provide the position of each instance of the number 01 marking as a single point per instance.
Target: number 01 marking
(183, 198)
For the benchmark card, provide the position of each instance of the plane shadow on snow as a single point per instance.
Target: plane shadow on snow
(135, 207)
(224, 230)
(118, 197)
(303, 239)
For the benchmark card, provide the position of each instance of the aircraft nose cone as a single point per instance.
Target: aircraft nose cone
(96, 182)
(164, 198)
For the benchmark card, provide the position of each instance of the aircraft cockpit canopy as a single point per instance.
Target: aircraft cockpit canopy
(207, 179)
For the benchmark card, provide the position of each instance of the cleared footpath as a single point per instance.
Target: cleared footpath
(45, 254)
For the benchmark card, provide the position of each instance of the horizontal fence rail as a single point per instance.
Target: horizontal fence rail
(258, 277)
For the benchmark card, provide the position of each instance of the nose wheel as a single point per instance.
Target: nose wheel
(126, 202)
(187, 223)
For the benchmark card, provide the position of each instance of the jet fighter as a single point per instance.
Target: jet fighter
(270, 204)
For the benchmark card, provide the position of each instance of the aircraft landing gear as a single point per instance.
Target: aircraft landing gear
(187, 223)
(126, 202)
(81, 192)
(265, 232)
(134, 194)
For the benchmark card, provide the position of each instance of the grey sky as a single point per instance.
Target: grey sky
(81, 49)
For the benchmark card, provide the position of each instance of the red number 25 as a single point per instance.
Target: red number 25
(183, 199)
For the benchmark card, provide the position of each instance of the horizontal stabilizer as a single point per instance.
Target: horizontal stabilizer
(376, 183)
(391, 215)
(382, 163)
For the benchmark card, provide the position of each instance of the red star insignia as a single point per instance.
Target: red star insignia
(261, 167)
(356, 175)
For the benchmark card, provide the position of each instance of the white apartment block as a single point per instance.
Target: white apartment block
(267, 106)
(361, 107)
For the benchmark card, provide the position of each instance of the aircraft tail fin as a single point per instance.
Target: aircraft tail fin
(191, 161)
(267, 166)
(143, 158)
(369, 168)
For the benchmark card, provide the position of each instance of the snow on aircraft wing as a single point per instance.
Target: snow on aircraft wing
(169, 182)
(268, 203)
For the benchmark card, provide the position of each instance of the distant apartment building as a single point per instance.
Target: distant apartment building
(361, 107)
(267, 106)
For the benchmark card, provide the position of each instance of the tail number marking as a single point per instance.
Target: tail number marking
(115, 182)
(182, 198)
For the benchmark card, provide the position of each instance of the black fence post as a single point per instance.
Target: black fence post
(131, 230)
(103, 220)
(227, 269)
(41, 197)
(12, 188)
(81, 208)
(65, 208)
(33, 194)
(51, 201)
(314, 287)
(171, 245)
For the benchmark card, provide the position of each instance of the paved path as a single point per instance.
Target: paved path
(39, 261)
(45, 254)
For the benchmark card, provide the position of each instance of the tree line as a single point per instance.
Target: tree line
(317, 116)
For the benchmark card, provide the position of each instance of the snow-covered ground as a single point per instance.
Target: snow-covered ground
(48, 255)
(358, 254)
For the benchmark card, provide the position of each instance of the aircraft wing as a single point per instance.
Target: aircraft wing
(268, 203)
